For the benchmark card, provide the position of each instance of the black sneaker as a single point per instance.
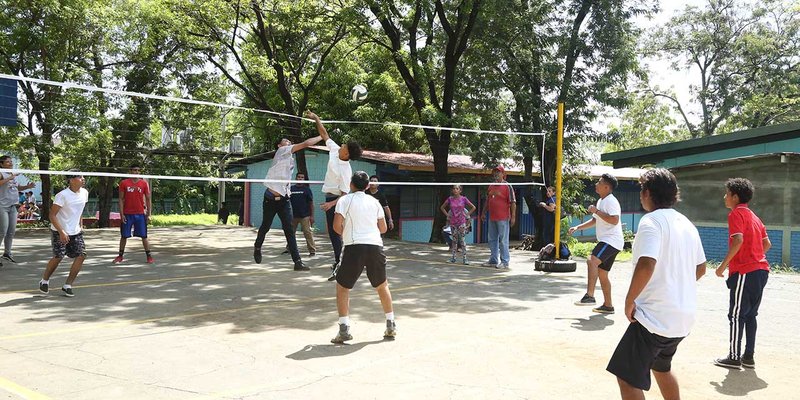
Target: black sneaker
(257, 256)
(343, 335)
(728, 362)
(67, 291)
(285, 252)
(748, 362)
(44, 288)
(9, 258)
(334, 271)
(391, 330)
(299, 266)
(586, 301)
(604, 309)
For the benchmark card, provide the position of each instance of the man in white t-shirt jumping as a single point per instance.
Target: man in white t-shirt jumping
(66, 232)
(606, 220)
(361, 221)
(277, 199)
(662, 299)
(336, 184)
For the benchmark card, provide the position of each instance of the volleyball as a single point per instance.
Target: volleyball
(358, 93)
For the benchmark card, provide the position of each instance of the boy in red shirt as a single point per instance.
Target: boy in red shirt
(748, 244)
(502, 207)
(134, 205)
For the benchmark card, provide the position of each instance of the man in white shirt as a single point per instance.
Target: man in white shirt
(662, 298)
(66, 230)
(277, 199)
(606, 220)
(337, 183)
(361, 221)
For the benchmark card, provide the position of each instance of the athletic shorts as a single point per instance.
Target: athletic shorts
(355, 258)
(606, 253)
(137, 222)
(74, 248)
(638, 352)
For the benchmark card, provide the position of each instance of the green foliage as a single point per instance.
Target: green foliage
(190, 219)
(584, 250)
(646, 122)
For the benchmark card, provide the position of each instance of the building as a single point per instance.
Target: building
(415, 206)
(768, 156)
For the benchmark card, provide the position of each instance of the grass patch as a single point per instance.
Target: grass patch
(190, 219)
(584, 250)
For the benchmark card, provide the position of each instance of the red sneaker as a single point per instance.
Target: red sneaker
(117, 260)
(150, 260)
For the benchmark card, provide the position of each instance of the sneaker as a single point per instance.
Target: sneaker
(150, 260)
(117, 260)
(67, 291)
(9, 258)
(748, 362)
(466, 262)
(728, 362)
(488, 264)
(334, 271)
(44, 288)
(586, 301)
(391, 330)
(257, 256)
(604, 309)
(343, 335)
(501, 266)
(285, 252)
(299, 266)
(312, 254)
(452, 259)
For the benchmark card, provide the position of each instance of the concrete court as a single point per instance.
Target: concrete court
(205, 322)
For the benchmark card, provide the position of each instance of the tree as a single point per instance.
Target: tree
(427, 41)
(745, 59)
(50, 40)
(646, 122)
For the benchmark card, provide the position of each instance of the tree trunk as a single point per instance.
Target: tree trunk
(47, 190)
(441, 151)
(105, 195)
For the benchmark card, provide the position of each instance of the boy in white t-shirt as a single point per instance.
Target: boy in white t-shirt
(361, 221)
(662, 298)
(66, 230)
(608, 228)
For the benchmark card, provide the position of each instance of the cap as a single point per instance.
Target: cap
(500, 168)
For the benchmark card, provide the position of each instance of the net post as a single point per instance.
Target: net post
(559, 160)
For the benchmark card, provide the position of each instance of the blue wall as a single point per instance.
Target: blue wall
(795, 249)
(317, 164)
(715, 243)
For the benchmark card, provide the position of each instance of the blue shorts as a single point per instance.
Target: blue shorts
(137, 222)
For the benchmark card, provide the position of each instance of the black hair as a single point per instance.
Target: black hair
(70, 176)
(360, 180)
(4, 158)
(742, 188)
(134, 165)
(354, 150)
(610, 179)
(662, 186)
(373, 177)
(278, 141)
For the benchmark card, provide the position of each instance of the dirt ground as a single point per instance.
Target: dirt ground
(205, 321)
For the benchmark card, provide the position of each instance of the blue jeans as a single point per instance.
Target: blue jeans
(498, 242)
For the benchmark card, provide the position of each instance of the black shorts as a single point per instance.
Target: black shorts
(74, 248)
(638, 352)
(606, 253)
(357, 256)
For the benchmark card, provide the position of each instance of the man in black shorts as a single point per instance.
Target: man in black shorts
(66, 232)
(662, 299)
(606, 220)
(360, 220)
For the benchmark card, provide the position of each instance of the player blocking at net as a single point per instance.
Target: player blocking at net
(277, 198)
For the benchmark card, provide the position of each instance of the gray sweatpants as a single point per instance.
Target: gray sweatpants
(8, 226)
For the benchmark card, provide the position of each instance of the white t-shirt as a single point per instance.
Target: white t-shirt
(337, 178)
(361, 214)
(71, 203)
(611, 234)
(668, 303)
(281, 169)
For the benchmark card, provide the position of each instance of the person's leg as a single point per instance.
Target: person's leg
(305, 223)
(10, 230)
(739, 307)
(75, 269)
(505, 253)
(269, 211)
(386, 297)
(285, 215)
(342, 300)
(758, 280)
(629, 392)
(605, 285)
(336, 240)
(493, 243)
(51, 267)
(668, 385)
(4, 223)
(592, 264)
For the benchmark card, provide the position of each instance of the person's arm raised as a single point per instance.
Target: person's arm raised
(323, 133)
